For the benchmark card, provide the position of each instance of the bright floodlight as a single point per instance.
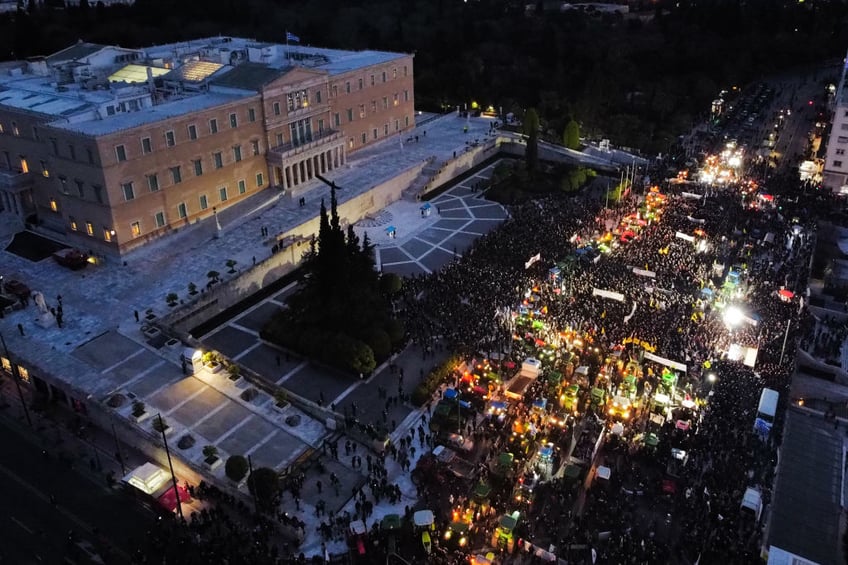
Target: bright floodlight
(711, 377)
(733, 316)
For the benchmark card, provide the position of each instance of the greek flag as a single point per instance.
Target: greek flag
(292, 37)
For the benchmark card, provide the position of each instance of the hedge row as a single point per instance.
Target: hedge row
(434, 379)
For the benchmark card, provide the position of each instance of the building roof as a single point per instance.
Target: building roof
(75, 52)
(136, 73)
(40, 97)
(193, 71)
(166, 111)
(337, 61)
(249, 76)
(807, 500)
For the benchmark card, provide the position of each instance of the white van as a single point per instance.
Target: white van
(766, 411)
(752, 503)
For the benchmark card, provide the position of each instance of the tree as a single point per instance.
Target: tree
(231, 265)
(264, 485)
(236, 467)
(531, 130)
(571, 135)
(172, 299)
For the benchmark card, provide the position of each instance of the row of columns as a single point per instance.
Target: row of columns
(306, 169)
(12, 203)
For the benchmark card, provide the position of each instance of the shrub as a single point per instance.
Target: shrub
(186, 442)
(210, 451)
(160, 425)
(172, 298)
(236, 467)
(192, 288)
(138, 408)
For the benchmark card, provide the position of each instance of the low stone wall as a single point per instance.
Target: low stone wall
(464, 162)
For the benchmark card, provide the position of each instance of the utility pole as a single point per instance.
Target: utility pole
(171, 466)
(253, 492)
(117, 445)
(17, 378)
(785, 337)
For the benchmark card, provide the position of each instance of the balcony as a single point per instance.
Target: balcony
(14, 181)
(277, 155)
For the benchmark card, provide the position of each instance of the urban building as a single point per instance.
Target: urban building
(835, 173)
(111, 148)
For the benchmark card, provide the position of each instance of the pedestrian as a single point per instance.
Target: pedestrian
(136, 315)
(21, 328)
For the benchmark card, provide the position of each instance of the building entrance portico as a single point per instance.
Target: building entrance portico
(293, 172)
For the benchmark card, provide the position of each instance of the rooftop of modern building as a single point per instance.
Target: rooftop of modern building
(249, 76)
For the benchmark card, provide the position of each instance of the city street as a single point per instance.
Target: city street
(44, 500)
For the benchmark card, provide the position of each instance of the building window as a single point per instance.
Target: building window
(842, 139)
(72, 152)
(840, 152)
(406, 96)
(80, 188)
(182, 211)
(135, 229)
(24, 164)
(213, 125)
(23, 373)
(233, 121)
(63, 184)
(90, 155)
(153, 182)
(260, 179)
(146, 146)
(251, 115)
(845, 114)
(54, 146)
(837, 163)
(198, 167)
(73, 222)
(373, 106)
(159, 218)
(386, 129)
(350, 143)
(255, 146)
(89, 228)
(394, 72)
(360, 84)
(385, 102)
(397, 125)
(395, 101)
(384, 76)
(15, 131)
(45, 171)
(98, 193)
(405, 71)
(317, 96)
(170, 140)
(237, 153)
(192, 132)
(127, 189)
(337, 121)
(320, 126)
(204, 202)
(54, 206)
(107, 235)
(290, 101)
(219, 159)
(364, 138)
(347, 87)
(406, 121)
(350, 114)
(372, 80)
(335, 91)
(362, 110)
(242, 186)
(176, 175)
(276, 108)
(374, 133)
(121, 153)
(1, 129)
(279, 138)
(222, 192)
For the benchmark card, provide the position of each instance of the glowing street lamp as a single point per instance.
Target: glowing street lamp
(712, 378)
(733, 316)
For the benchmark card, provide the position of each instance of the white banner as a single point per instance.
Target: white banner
(597, 258)
(696, 220)
(608, 294)
(533, 259)
(690, 195)
(666, 362)
(644, 273)
(685, 236)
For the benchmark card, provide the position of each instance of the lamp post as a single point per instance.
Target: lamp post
(171, 466)
(17, 378)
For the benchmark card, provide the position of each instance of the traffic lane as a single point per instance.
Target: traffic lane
(83, 503)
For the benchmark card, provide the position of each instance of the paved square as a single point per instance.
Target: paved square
(482, 226)
(281, 450)
(225, 420)
(393, 255)
(229, 340)
(310, 381)
(166, 399)
(106, 350)
(259, 316)
(416, 247)
(460, 242)
(461, 212)
(451, 224)
(131, 368)
(489, 213)
(348, 479)
(402, 269)
(156, 379)
(434, 236)
(198, 407)
(247, 436)
(436, 259)
(262, 359)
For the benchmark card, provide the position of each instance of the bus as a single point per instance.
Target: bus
(766, 411)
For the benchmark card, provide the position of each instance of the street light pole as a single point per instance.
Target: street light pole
(17, 378)
(171, 466)
(785, 338)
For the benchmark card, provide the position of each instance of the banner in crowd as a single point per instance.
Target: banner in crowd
(746, 355)
(641, 343)
(644, 273)
(685, 236)
(691, 195)
(608, 294)
(696, 220)
(533, 259)
(666, 362)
